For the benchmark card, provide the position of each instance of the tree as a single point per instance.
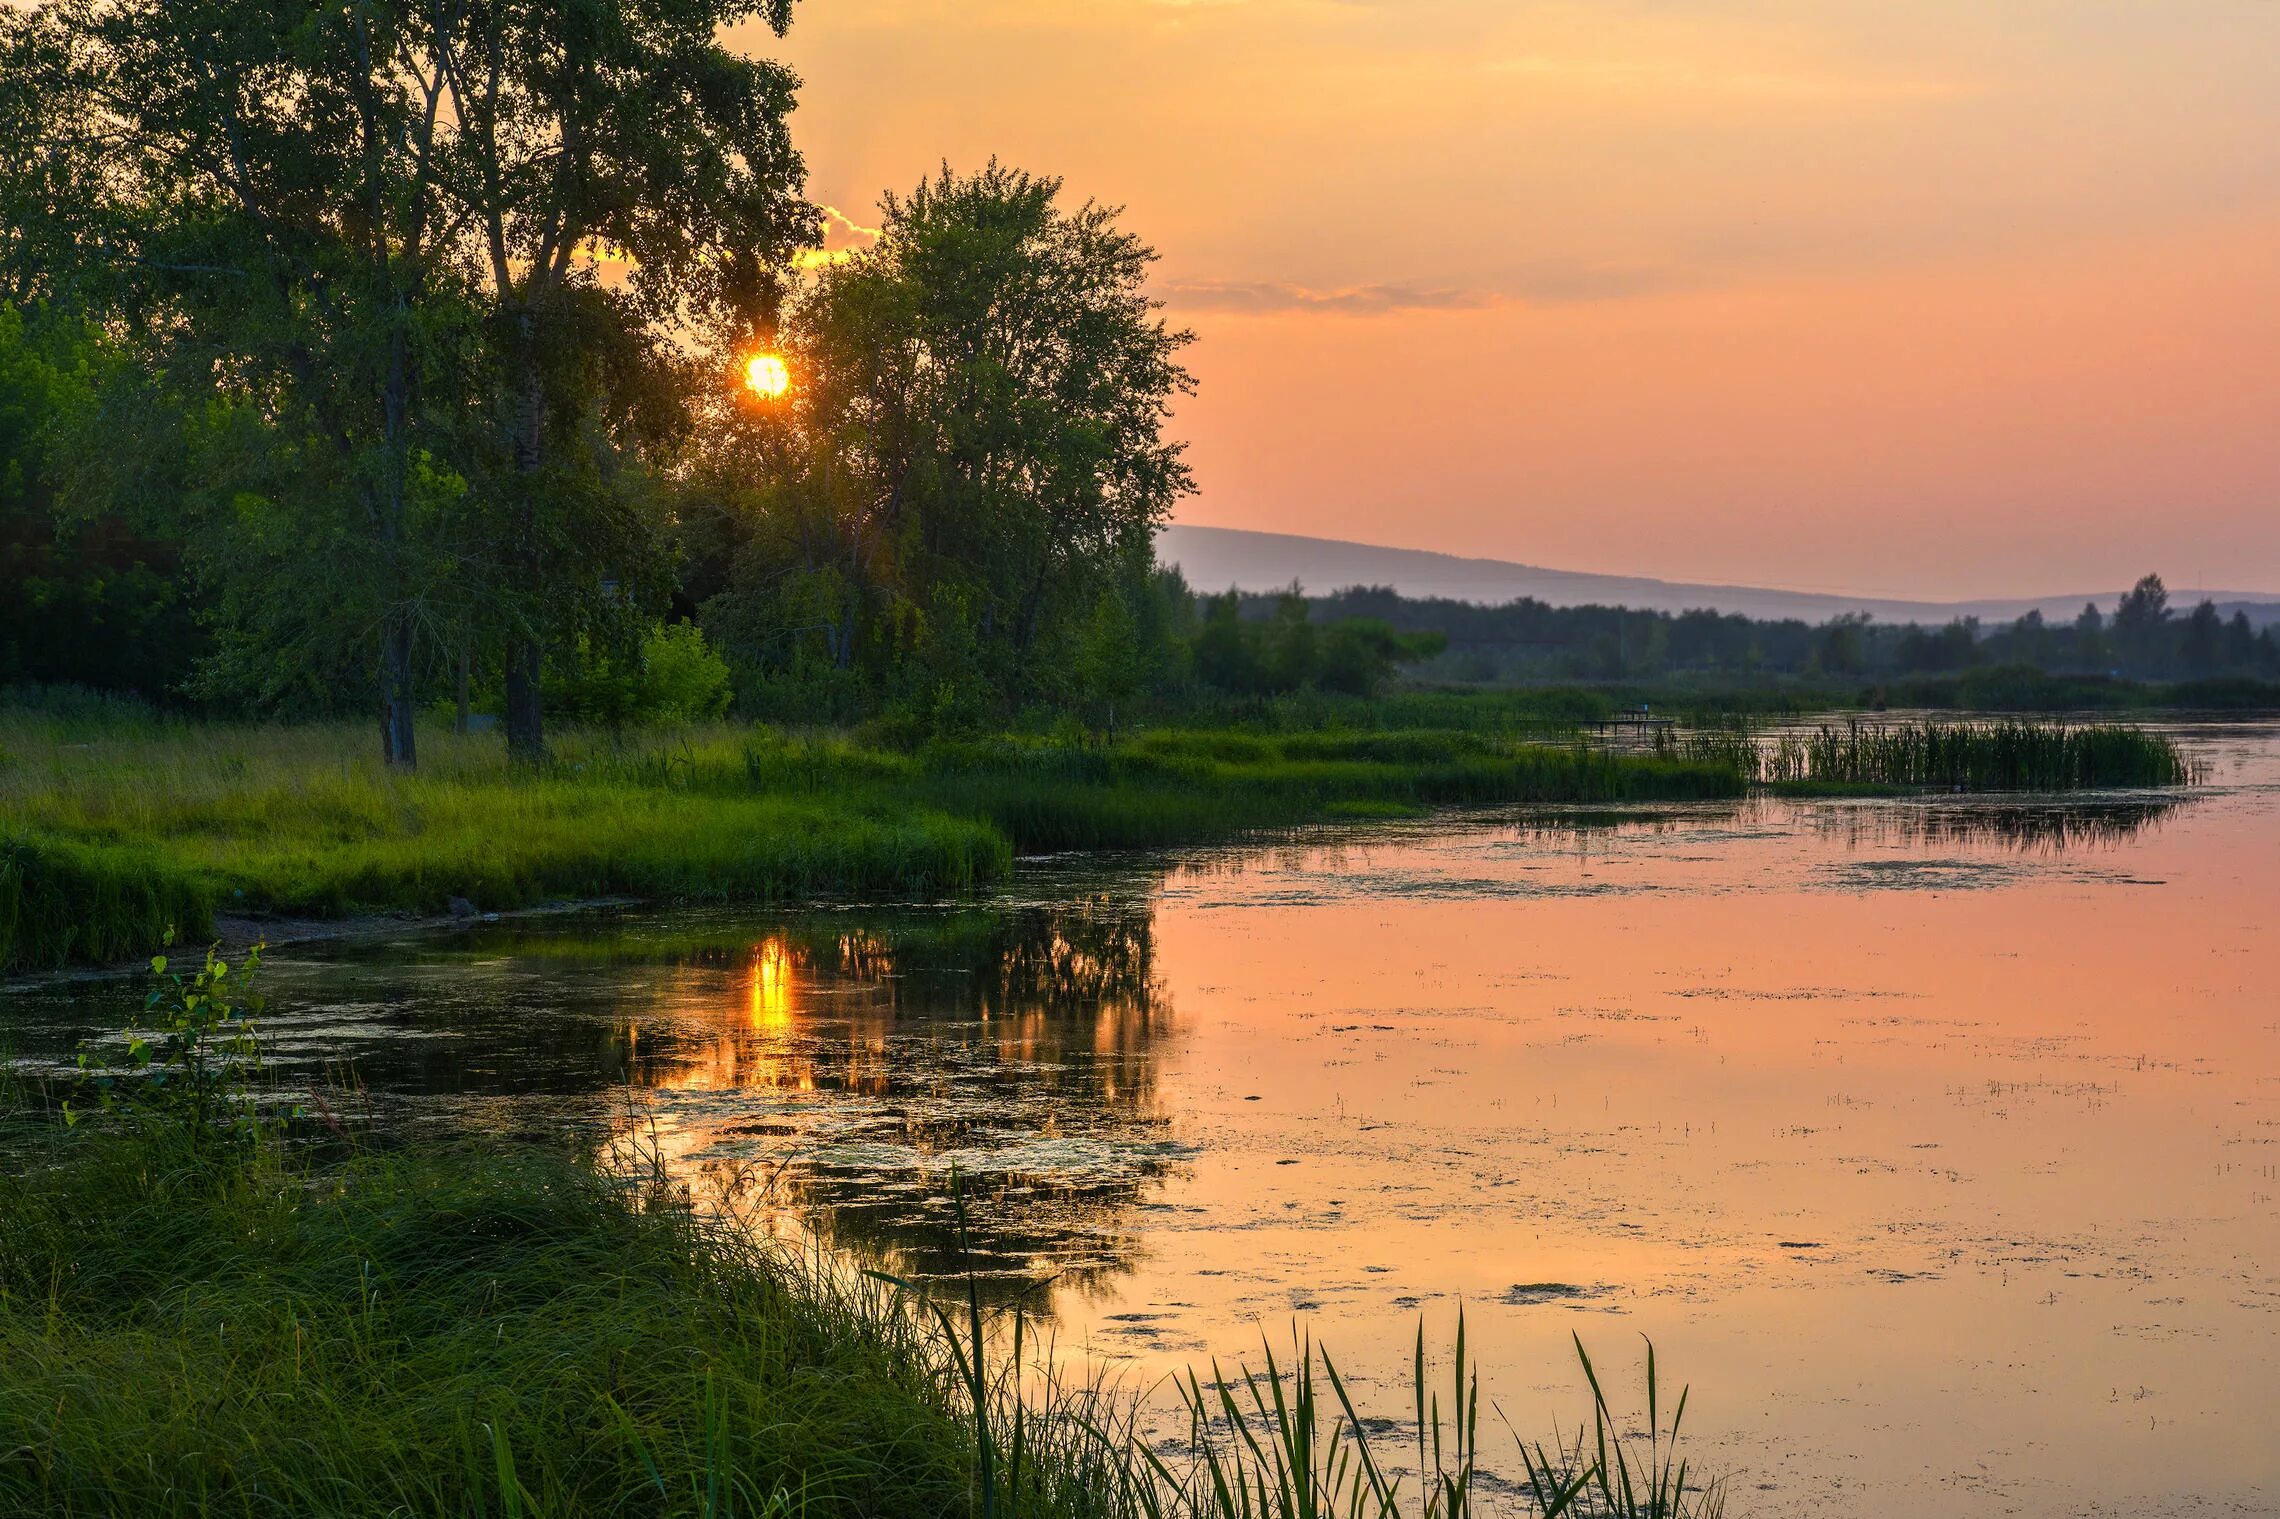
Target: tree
(1359, 654)
(2240, 642)
(1050, 376)
(2146, 604)
(1290, 642)
(2203, 641)
(1108, 666)
(1225, 658)
(973, 451)
(621, 175)
(1842, 644)
(91, 601)
(413, 269)
(252, 196)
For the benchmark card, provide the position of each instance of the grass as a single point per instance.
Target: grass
(114, 826)
(509, 1331)
(1186, 786)
(2006, 755)
(111, 828)
(62, 901)
(200, 1315)
(493, 1332)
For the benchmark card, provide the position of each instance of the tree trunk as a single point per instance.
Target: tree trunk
(526, 729)
(463, 717)
(398, 745)
(526, 732)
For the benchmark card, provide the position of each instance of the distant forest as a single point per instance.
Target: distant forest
(2143, 637)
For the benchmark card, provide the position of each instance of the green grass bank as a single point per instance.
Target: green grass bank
(110, 831)
(481, 1332)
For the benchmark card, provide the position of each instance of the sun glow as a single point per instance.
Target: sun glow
(767, 376)
(771, 985)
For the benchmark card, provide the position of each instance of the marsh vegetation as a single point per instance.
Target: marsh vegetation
(209, 1299)
(111, 833)
(2011, 754)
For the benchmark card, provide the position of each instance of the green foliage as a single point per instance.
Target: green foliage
(450, 1333)
(191, 1062)
(683, 680)
(673, 677)
(972, 457)
(92, 600)
(1287, 651)
(1110, 670)
(368, 362)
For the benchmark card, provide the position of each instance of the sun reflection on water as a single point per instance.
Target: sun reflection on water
(771, 985)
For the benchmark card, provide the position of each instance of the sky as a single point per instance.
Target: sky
(1949, 298)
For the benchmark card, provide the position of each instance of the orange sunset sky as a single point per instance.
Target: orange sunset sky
(1944, 298)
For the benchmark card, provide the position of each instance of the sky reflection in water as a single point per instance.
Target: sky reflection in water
(1937, 1142)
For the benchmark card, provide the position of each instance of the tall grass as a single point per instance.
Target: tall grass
(2009, 755)
(1185, 786)
(118, 831)
(501, 1331)
(1274, 1444)
(62, 901)
(199, 1315)
(489, 1332)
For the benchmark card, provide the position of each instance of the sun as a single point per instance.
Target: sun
(767, 376)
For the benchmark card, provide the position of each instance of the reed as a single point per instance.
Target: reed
(2008, 755)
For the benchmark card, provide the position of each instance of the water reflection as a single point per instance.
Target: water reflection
(2039, 825)
(2040, 828)
(1915, 1175)
(851, 1069)
(832, 1067)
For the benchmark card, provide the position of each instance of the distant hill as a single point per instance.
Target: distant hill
(1214, 558)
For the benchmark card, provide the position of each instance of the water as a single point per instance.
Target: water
(1936, 1142)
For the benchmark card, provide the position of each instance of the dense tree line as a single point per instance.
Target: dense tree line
(376, 356)
(2142, 637)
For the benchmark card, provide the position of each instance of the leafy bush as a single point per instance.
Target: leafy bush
(190, 1063)
(682, 679)
(674, 678)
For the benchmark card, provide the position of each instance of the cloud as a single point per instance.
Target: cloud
(1669, 76)
(843, 237)
(1261, 296)
(1550, 285)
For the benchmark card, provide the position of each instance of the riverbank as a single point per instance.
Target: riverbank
(109, 835)
(211, 1301)
(191, 1327)
(458, 1331)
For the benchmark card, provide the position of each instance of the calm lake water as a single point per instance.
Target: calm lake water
(1936, 1142)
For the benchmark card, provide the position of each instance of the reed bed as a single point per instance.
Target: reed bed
(2009, 755)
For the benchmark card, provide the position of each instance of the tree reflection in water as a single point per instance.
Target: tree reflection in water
(835, 1067)
(2040, 825)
